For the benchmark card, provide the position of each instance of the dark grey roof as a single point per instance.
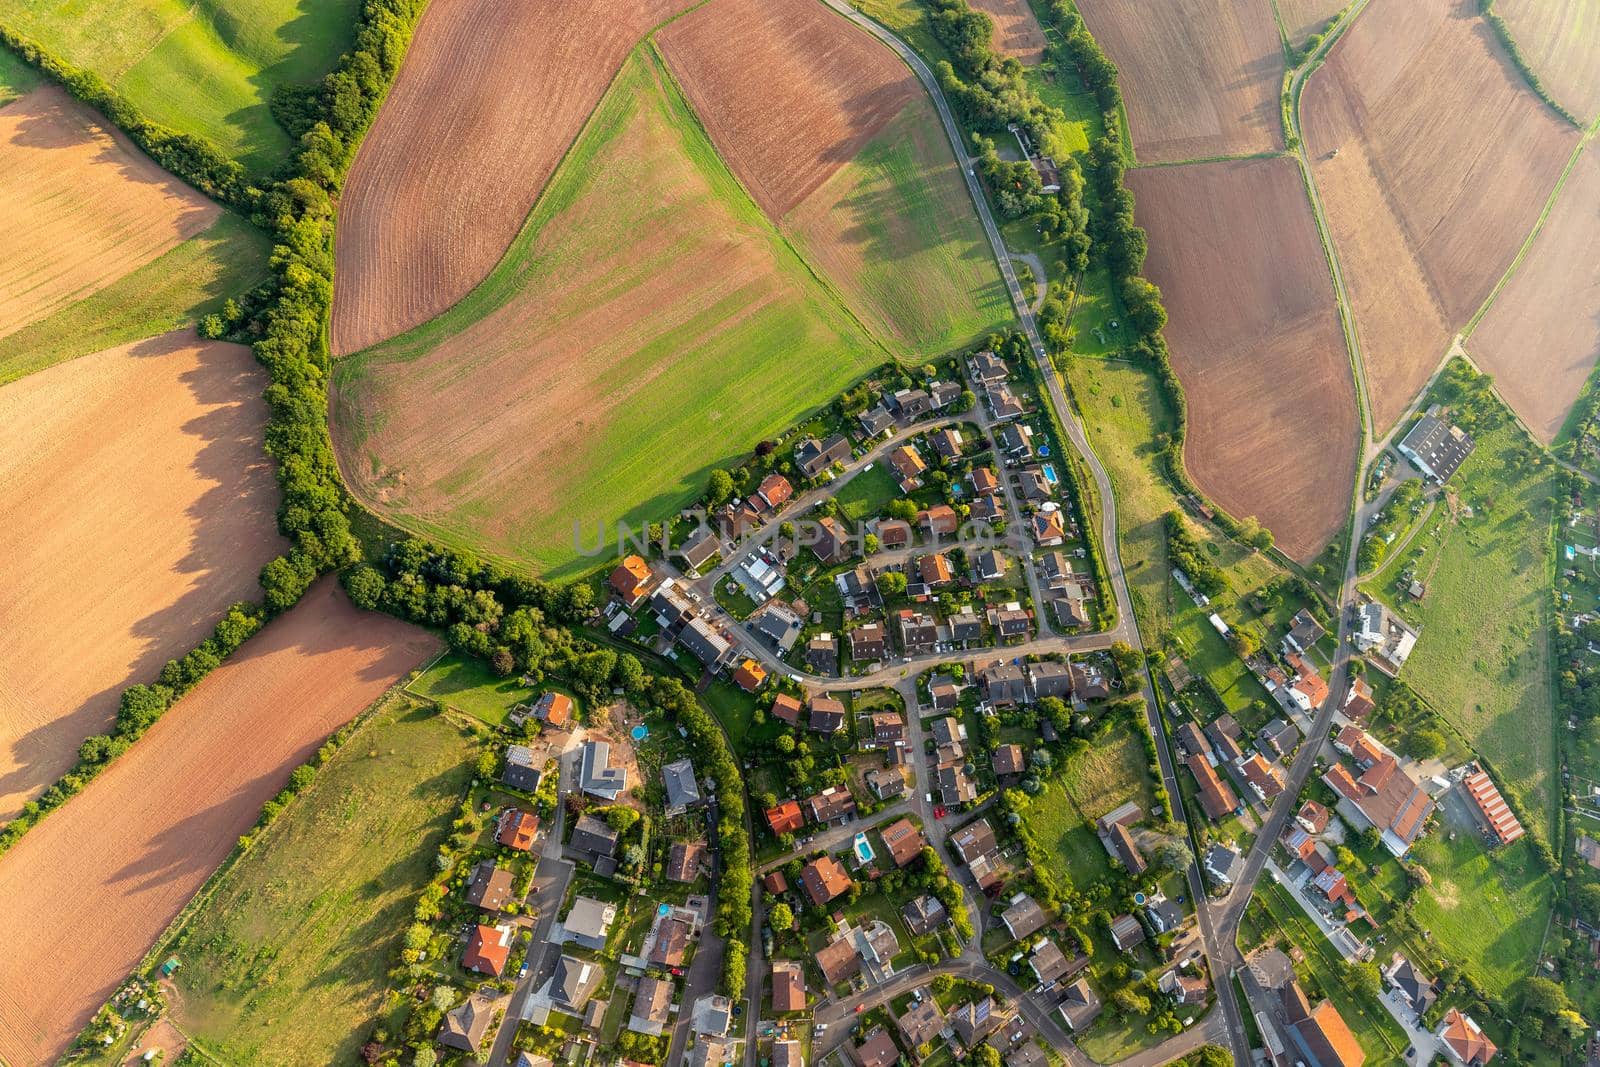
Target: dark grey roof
(683, 788)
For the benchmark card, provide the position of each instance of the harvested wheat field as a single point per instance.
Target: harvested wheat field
(1017, 32)
(1541, 336)
(1561, 39)
(1200, 77)
(82, 206)
(117, 862)
(145, 507)
(834, 138)
(647, 324)
(1255, 338)
(490, 97)
(1433, 160)
(1302, 18)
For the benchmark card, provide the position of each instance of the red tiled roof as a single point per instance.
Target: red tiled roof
(1493, 806)
(516, 829)
(824, 879)
(488, 948)
(1215, 796)
(750, 676)
(786, 817)
(1465, 1039)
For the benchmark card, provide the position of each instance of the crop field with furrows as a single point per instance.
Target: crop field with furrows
(1541, 336)
(647, 324)
(1017, 32)
(1302, 18)
(1561, 39)
(1200, 77)
(118, 862)
(1430, 184)
(206, 69)
(1255, 338)
(835, 140)
(149, 509)
(447, 175)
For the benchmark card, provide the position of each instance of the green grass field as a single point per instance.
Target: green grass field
(207, 69)
(895, 231)
(469, 686)
(721, 377)
(176, 289)
(1487, 910)
(1483, 657)
(1062, 817)
(868, 493)
(16, 77)
(286, 963)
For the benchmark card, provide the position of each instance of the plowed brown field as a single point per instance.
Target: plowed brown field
(139, 505)
(1255, 338)
(1561, 38)
(1433, 160)
(1200, 77)
(1016, 31)
(81, 206)
(1302, 18)
(491, 96)
(1541, 337)
(796, 100)
(90, 888)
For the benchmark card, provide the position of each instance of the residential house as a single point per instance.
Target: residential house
(973, 1021)
(831, 541)
(812, 457)
(1403, 977)
(574, 982)
(904, 841)
(1003, 684)
(1266, 779)
(1308, 690)
(786, 708)
(965, 627)
(682, 786)
(974, 841)
(1164, 915)
(986, 369)
(948, 444)
(553, 709)
(886, 783)
(923, 915)
(1024, 917)
(824, 879)
(989, 565)
(940, 520)
(1089, 682)
(1216, 798)
(1182, 988)
(1224, 744)
(1048, 528)
(877, 1049)
(921, 1022)
(1080, 1005)
(943, 394)
(712, 1052)
(943, 695)
(706, 643)
(1050, 679)
(834, 802)
(882, 729)
(685, 861)
(1049, 963)
(1071, 608)
(878, 945)
(955, 786)
(825, 715)
(934, 570)
(596, 775)
(523, 769)
(516, 829)
(775, 491)
(712, 1016)
(909, 468)
(1223, 864)
(1126, 932)
(785, 818)
(1313, 817)
(868, 643)
(652, 1006)
(667, 944)
(1192, 741)
(589, 921)
(838, 961)
(593, 839)
(740, 519)
(777, 626)
(1321, 1037)
(1384, 637)
(700, 548)
(857, 589)
(1464, 1041)
(986, 508)
(1119, 842)
(1014, 441)
(918, 631)
(1279, 737)
(467, 1024)
(630, 580)
(1356, 743)
(490, 888)
(788, 986)
(1033, 484)
(1358, 700)
(786, 1054)
(1003, 404)
(822, 654)
(893, 533)
(875, 421)
(911, 403)
(1304, 631)
(985, 482)
(1008, 762)
(488, 949)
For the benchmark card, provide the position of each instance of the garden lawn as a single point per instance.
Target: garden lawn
(206, 69)
(1109, 773)
(1485, 910)
(16, 77)
(469, 685)
(286, 963)
(868, 493)
(173, 290)
(1483, 656)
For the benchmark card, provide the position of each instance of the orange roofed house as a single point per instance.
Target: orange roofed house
(488, 948)
(1464, 1041)
(1320, 1035)
(1385, 797)
(824, 879)
(631, 580)
(786, 818)
(750, 676)
(1492, 807)
(517, 829)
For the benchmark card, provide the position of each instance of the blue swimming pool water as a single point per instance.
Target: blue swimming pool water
(1044, 450)
(863, 849)
(640, 732)
(1050, 474)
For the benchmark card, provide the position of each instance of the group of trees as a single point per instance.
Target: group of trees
(1185, 551)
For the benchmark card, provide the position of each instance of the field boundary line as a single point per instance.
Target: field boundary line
(1276, 153)
(1533, 234)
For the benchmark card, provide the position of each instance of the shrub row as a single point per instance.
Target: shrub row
(1509, 43)
(138, 709)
